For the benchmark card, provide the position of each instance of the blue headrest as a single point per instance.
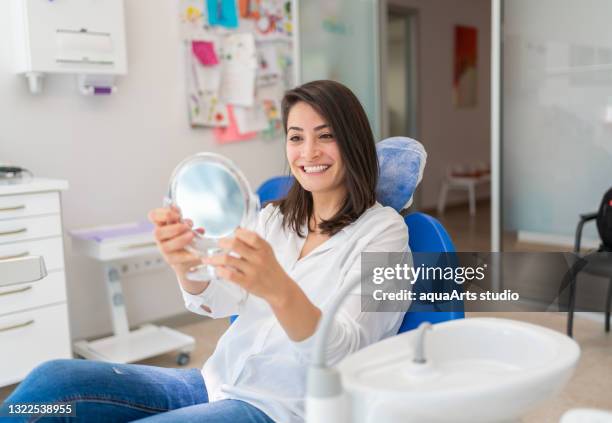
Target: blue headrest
(402, 161)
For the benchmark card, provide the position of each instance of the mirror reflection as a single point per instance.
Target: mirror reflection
(209, 195)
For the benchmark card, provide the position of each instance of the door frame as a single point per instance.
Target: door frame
(386, 7)
(496, 125)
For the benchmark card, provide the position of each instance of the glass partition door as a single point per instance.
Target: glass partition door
(556, 118)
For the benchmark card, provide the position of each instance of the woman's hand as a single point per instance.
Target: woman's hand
(256, 270)
(172, 236)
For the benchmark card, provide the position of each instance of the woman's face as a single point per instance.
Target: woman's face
(312, 151)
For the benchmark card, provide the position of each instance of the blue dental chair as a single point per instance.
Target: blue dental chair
(402, 161)
(427, 235)
(274, 188)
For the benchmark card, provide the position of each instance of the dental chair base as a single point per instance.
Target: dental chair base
(144, 342)
(119, 248)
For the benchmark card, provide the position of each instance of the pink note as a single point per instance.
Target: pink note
(205, 52)
(231, 133)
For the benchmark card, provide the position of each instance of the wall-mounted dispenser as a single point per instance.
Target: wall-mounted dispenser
(81, 37)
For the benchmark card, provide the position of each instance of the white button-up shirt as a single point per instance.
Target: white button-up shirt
(255, 361)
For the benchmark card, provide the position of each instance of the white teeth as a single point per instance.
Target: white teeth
(314, 169)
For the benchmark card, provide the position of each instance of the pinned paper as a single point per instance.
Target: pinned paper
(272, 109)
(249, 119)
(207, 78)
(205, 107)
(208, 111)
(268, 69)
(239, 61)
(192, 14)
(249, 9)
(231, 132)
(222, 13)
(238, 86)
(274, 20)
(205, 52)
(191, 11)
(239, 48)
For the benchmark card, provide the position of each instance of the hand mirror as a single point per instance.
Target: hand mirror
(211, 191)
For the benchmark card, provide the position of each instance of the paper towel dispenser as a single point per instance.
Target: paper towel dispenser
(81, 37)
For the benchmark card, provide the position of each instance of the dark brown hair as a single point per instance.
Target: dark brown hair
(349, 124)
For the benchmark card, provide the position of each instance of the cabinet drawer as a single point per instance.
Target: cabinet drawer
(23, 205)
(30, 338)
(52, 249)
(51, 289)
(29, 228)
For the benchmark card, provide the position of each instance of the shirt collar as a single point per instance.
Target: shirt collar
(340, 236)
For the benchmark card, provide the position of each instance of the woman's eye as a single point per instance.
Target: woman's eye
(327, 136)
(294, 138)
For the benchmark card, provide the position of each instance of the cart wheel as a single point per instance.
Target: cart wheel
(183, 358)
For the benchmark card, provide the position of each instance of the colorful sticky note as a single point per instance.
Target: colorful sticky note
(223, 13)
(205, 52)
(231, 132)
(192, 14)
(249, 9)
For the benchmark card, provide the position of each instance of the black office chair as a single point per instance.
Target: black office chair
(595, 264)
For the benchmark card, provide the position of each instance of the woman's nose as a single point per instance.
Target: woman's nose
(310, 150)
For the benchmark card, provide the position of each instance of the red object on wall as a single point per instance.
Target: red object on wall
(465, 65)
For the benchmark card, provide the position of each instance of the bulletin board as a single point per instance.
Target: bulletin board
(239, 60)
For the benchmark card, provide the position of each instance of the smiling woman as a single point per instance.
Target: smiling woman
(331, 153)
(304, 250)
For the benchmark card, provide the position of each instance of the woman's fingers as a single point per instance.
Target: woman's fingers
(230, 274)
(176, 243)
(164, 216)
(183, 257)
(226, 260)
(164, 233)
(238, 247)
(252, 239)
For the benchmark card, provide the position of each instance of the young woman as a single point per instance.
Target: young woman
(305, 248)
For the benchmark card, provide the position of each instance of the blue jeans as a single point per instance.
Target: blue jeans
(107, 392)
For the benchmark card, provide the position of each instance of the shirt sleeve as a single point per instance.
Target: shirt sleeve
(353, 329)
(223, 298)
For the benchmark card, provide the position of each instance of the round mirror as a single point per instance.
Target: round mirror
(211, 191)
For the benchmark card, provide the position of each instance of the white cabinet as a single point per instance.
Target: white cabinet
(33, 316)
(81, 37)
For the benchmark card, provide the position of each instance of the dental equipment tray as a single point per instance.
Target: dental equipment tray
(106, 243)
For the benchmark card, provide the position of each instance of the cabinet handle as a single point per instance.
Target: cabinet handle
(24, 254)
(16, 291)
(140, 245)
(17, 326)
(12, 208)
(15, 232)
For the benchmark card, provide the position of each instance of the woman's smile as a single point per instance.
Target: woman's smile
(312, 170)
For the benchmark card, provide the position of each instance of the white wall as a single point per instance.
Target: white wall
(450, 135)
(117, 152)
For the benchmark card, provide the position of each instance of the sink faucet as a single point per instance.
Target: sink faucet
(419, 350)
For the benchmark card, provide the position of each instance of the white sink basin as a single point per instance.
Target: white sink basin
(478, 370)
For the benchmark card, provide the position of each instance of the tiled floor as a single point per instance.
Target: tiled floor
(591, 385)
